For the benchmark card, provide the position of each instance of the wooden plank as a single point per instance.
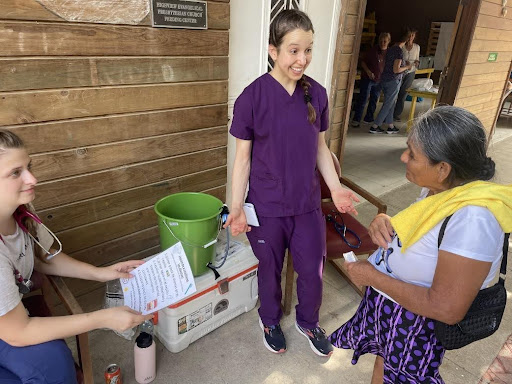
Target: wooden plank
(491, 34)
(53, 165)
(58, 39)
(100, 130)
(126, 246)
(336, 131)
(481, 57)
(343, 80)
(488, 114)
(495, 22)
(344, 62)
(490, 46)
(341, 98)
(96, 233)
(25, 10)
(335, 145)
(493, 9)
(468, 81)
(478, 99)
(39, 73)
(479, 89)
(31, 10)
(353, 7)
(38, 106)
(218, 15)
(348, 43)
(337, 115)
(87, 211)
(350, 24)
(482, 107)
(484, 68)
(50, 194)
(89, 235)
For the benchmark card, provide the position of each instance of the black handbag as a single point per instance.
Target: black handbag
(484, 315)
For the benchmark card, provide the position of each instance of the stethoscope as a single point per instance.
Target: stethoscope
(25, 285)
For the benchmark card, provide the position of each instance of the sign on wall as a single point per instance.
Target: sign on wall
(493, 56)
(179, 14)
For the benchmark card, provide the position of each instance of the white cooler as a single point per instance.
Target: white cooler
(215, 302)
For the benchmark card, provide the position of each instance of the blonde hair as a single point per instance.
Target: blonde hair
(385, 34)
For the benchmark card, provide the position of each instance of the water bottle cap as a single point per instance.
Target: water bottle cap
(144, 340)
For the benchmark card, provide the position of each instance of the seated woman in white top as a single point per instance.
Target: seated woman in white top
(411, 283)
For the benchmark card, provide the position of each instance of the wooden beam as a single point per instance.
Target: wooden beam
(59, 39)
(43, 73)
(78, 133)
(49, 194)
(39, 106)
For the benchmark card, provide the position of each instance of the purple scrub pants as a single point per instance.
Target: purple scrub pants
(49, 362)
(304, 236)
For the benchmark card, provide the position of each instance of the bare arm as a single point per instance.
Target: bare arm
(239, 180)
(65, 266)
(17, 329)
(457, 280)
(397, 66)
(342, 198)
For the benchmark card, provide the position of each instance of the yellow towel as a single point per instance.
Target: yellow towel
(415, 221)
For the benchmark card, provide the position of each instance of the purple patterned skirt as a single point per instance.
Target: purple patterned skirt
(405, 341)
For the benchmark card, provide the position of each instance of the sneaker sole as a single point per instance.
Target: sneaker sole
(375, 132)
(310, 343)
(392, 133)
(265, 341)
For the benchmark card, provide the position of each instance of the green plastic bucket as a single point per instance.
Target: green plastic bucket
(194, 220)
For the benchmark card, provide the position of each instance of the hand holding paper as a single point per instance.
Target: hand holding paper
(159, 282)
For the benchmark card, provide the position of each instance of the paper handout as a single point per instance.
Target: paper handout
(161, 281)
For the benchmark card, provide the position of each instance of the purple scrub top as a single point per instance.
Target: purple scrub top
(283, 180)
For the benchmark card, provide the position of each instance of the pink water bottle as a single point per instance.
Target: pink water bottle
(144, 352)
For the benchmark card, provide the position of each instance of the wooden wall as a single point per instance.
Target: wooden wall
(483, 82)
(345, 62)
(115, 116)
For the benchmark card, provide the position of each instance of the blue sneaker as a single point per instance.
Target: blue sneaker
(317, 340)
(273, 338)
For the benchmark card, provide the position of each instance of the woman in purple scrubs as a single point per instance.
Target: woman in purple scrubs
(279, 124)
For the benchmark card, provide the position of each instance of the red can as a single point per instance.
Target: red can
(113, 374)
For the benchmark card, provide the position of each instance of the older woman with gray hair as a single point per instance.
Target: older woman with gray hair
(411, 280)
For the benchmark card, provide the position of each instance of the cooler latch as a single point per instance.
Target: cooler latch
(223, 286)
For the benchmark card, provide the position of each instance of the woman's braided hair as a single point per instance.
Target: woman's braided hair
(9, 140)
(285, 22)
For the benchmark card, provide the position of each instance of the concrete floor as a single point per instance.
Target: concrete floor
(234, 353)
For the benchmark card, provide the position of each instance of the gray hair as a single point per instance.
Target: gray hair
(457, 137)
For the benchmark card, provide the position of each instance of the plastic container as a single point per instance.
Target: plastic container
(194, 220)
(215, 302)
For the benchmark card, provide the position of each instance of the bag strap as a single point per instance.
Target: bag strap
(503, 267)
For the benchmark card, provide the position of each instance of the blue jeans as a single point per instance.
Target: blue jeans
(402, 94)
(366, 87)
(390, 89)
(49, 362)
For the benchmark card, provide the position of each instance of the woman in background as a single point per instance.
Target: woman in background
(411, 55)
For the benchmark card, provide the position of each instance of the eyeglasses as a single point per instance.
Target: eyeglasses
(340, 227)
